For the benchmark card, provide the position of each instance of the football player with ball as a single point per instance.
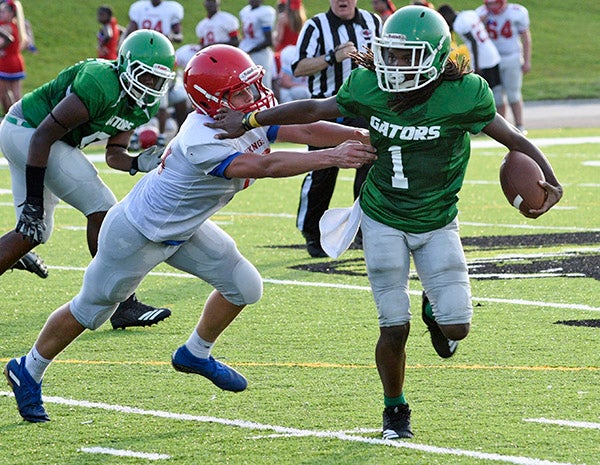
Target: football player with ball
(421, 108)
(166, 218)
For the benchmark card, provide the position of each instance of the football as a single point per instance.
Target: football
(519, 176)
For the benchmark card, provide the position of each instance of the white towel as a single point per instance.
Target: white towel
(338, 228)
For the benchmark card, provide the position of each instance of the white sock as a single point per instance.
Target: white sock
(198, 346)
(36, 365)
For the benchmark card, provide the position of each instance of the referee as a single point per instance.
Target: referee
(323, 49)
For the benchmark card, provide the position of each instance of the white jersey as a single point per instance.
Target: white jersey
(504, 29)
(159, 18)
(287, 57)
(218, 29)
(185, 53)
(468, 25)
(172, 201)
(255, 21)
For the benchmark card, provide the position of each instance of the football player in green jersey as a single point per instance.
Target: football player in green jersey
(43, 134)
(421, 109)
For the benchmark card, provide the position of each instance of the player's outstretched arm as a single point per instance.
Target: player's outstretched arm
(321, 134)
(235, 123)
(280, 164)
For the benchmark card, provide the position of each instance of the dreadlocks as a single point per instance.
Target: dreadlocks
(401, 101)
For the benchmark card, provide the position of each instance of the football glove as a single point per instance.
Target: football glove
(147, 160)
(31, 222)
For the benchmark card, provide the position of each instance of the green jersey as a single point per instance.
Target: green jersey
(96, 83)
(422, 153)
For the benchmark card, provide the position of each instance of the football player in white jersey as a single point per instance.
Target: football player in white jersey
(257, 41)
(219, 27)
(164, 17)
(184, 54)
(166, 218)
(508, 27)
(484, 57)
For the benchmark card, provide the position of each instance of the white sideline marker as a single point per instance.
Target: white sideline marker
(124, 453)
(572, 424)
(299, 432)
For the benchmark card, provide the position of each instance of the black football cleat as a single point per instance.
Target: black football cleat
(314, 249)
(396, 422)
(444, 347)
(132, 312)
(33, 263)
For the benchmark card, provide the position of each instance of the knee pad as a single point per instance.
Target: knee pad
(248, 282)
(513, 96)
(393, 308)
(454, 305)
(498, 92)
(100, 296)
(91, 316)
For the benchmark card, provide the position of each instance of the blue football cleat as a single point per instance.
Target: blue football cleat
(28, 393)
(220, 374)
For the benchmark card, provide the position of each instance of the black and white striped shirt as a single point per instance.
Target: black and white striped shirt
(322, 33)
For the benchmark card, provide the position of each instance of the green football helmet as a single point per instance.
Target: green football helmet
(421, 37)
(146, 52)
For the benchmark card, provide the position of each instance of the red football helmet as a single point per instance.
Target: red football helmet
(147, 136)
(495, 6)
(218, 70)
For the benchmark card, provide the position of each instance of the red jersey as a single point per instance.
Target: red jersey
(289, 38)
(12, 64)
(109, 49)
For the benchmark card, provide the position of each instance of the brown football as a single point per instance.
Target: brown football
(519, 176)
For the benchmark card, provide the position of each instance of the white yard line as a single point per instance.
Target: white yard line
(124, 453)
(531, 303)
(284, 430)
(225, 213)
(540, 142)
(289, 215)
(569, 423)
(476, 143)
(532, 227)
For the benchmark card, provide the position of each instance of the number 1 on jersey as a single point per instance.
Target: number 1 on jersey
(399, 181)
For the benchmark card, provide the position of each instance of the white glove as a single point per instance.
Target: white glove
(147, 160)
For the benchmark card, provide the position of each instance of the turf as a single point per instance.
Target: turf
(307, 348)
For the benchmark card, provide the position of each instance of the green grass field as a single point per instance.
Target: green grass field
(521, 389)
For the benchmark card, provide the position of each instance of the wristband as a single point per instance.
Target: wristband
(249, 121)
(134, 166)
(34, 180)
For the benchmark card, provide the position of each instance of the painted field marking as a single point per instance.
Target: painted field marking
(221, 215)
(531, 303)
(328, 365)
(540, 142)
(296, 431)
(527, 226)
(124, 453)
(569, 423)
